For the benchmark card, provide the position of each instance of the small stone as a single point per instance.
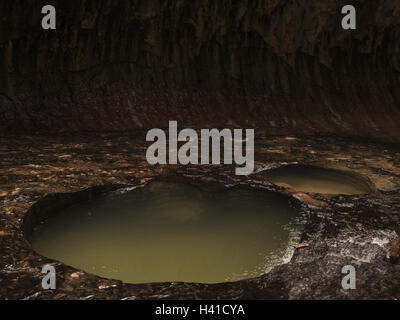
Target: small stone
(301, 245)
(308, 199)
(103, 286)
(64, 156)
(395, 250)
(15, 192)
(76, 275)
(207, 179)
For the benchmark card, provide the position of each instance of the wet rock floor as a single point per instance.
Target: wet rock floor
(354, 230)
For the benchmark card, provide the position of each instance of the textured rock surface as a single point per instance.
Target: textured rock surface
(395, 250)
(282, 65)
(358, 230)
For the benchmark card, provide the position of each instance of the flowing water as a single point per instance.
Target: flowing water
(172, 232)
(317, 180)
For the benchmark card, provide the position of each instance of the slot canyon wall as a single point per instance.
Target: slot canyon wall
(283, 65)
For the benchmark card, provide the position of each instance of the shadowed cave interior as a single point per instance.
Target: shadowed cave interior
(76, 104)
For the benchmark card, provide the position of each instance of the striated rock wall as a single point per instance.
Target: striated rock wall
(285, 65)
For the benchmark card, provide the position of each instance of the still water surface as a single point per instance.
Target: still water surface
(317, 180)
(172, 232)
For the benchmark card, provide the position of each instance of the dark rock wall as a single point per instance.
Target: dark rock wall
(285, 65)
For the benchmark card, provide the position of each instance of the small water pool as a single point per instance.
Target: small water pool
(317, 180)
(172, 232)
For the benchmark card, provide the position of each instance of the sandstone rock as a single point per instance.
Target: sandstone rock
(301, 245)
(289, 62)
(395, 250)
(303, 197)
(144, 180)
